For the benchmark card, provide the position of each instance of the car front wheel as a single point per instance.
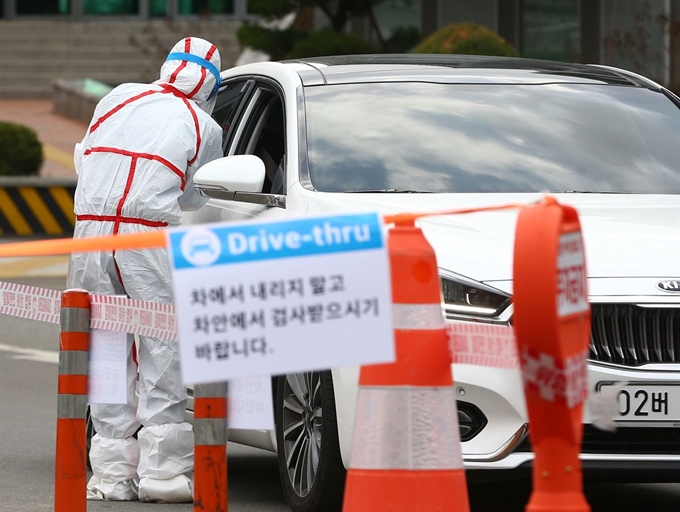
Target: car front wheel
(310, 465)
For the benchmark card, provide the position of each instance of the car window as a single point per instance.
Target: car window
(492, 138)
(263, 135)
(226, 106)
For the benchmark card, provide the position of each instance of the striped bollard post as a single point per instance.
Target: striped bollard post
(210, 447)
(70, 477)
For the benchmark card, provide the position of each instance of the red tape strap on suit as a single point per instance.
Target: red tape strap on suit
(124, 220)
(145, 156)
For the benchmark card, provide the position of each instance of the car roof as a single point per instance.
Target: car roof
(456, 69)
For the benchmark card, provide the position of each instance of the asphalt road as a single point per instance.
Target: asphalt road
(28, 376)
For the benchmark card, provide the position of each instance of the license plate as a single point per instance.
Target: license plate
(642, 402)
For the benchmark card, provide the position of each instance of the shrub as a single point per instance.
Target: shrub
(466, 38)
(403, 40)
(319, 43)
(20, 151)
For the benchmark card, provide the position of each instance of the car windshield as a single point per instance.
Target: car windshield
(492, 138)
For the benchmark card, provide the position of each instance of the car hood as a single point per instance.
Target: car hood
(625, 235)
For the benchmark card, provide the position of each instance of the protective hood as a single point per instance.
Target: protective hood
(193, 68)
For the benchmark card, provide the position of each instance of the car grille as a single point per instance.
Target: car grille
(641, 441)
(632, 335)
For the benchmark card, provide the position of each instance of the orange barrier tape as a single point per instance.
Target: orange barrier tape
(150, 240)
(157, 239)
(409, 218)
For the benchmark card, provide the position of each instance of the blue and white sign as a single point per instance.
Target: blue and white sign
(263, 298)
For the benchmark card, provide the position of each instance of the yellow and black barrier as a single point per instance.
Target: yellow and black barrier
(36, 206)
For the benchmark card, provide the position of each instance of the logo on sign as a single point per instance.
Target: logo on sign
(671, 286)
(201, 247)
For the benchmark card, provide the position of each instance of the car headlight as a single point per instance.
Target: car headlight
(463, 296)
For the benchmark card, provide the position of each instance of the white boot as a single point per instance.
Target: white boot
(166, 463)
(114, 466)
(178, 489)
(104, 490)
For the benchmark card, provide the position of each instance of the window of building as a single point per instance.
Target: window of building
(550, 30)
(158, 8)
(43, 7)
(394, 14)
(115, 7)
(206, 7)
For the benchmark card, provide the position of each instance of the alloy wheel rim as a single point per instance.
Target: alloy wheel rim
(302, 428)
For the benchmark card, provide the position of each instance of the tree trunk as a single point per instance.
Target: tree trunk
(376, 28)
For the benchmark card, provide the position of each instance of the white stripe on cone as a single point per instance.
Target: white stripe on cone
(405, 427)
(418, 317)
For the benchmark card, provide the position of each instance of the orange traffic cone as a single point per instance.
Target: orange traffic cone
(406, 453)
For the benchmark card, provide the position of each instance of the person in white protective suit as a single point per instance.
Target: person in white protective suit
(135, 173)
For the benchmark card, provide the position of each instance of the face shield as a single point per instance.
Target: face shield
(208, 105)
(210, 82)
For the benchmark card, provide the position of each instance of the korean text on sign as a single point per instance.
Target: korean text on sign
(265, 298)
(572, 287)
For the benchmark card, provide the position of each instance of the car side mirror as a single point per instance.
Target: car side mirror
(239, 173)
(236, 178)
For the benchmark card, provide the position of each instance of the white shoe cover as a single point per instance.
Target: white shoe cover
(114, 467)
(103, 490)
(165, 451)
(173, 490)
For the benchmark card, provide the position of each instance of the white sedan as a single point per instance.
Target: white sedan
(416, 133)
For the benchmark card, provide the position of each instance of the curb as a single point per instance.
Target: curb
(36, 206)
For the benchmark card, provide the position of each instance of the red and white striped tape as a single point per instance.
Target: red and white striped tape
(495, 346)
(483, 345)
(24, 301)
(141, 317)
(469, 343)
(109, 313)
(564, 382)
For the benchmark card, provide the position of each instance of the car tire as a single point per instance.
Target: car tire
(307, 433)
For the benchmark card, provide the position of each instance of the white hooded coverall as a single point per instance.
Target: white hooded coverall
(135, 173)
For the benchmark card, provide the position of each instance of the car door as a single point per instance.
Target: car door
(255, 126)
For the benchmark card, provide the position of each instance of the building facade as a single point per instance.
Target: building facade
(640, 35)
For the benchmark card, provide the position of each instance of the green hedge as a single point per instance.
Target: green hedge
(466, 38)
(20, 150)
